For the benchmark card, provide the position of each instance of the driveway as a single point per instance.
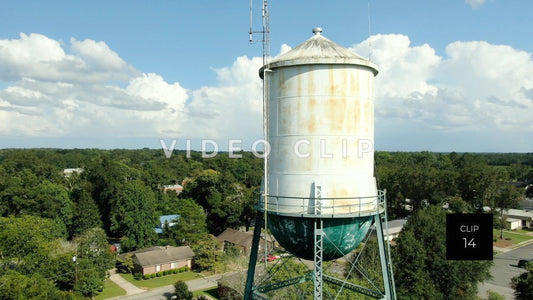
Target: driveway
(504, 268)
(126, 285)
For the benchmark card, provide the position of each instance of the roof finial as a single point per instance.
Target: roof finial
(317, 30)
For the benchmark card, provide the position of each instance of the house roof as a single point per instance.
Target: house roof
(164, 219)
(519, 214)
(160, 255)
(236, 237)
(512, 220)
(168, 218)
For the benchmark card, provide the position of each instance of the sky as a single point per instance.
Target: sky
(454, 75)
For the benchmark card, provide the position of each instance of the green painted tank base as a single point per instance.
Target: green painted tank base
(296, 235)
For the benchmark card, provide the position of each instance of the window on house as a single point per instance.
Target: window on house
(158, 268)
(174, 265)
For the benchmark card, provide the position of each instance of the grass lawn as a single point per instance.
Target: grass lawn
(515, 237)
(526, 231)
(160, 281)
(111, 290)
(212, 292)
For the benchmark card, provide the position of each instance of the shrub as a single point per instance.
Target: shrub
(175, 271)
(166, 272)
(183, 269)
(152, 275)
(181, 291)
(494, 296)
(147, 276)
(138, 276)
(159, 274)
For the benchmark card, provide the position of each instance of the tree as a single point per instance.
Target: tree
(523, 284)
(94, 258)
(14, 285)
(133, 214)
(181, 291)
(191, 226)
(89, 281)
(92, 246)
(86, 213)
(506, 197)
(127, 263)
(477, 180)
(206, 253)
(26, 241)
(220, 196)
(428, 275)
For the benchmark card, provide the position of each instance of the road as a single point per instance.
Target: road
(505, 267)
(164, 292)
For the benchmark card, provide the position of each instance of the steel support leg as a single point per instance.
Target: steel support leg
(318, 259)
(253, 257)
(385, 260)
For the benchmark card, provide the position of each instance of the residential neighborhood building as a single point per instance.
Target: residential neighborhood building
(394, 228)
(242, 240)
(70, 171)
(169, 220)
(512, 224)
(155, 259)
(178, 188)
(525, 217)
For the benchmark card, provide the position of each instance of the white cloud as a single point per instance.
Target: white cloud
(475, 3)
(476, 90)
(233, 109)
(89, 92)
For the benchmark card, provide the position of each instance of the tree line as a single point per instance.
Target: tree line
(48, 217)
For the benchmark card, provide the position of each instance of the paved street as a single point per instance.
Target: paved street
(505, 267)
(165, 292)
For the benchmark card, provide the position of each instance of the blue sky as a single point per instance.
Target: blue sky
(455, 75)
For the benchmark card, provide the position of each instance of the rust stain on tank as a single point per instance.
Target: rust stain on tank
(331, 74)
(354, 82)
(368, 113)
(311, 119)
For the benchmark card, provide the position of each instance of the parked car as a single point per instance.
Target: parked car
(524, 262)
(270, 257)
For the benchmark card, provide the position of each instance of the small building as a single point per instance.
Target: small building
(242, 240)
(169, 220)
(178, 188)
(525, 217)
(394, 228)
(70, 171)
(156, 259)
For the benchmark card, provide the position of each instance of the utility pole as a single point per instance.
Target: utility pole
(75, 270)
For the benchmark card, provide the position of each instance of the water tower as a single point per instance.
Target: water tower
(319, 195)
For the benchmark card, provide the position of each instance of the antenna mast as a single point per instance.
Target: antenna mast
(265, 32)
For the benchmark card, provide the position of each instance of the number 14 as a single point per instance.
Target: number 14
(469, 243)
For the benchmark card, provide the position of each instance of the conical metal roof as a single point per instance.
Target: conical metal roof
(319, 50)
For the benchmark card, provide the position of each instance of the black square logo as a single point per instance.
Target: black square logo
(469, 237)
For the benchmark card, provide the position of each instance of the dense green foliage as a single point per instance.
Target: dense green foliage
(465, 181)
(523, 284)
(46, 216)
(420, 267)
